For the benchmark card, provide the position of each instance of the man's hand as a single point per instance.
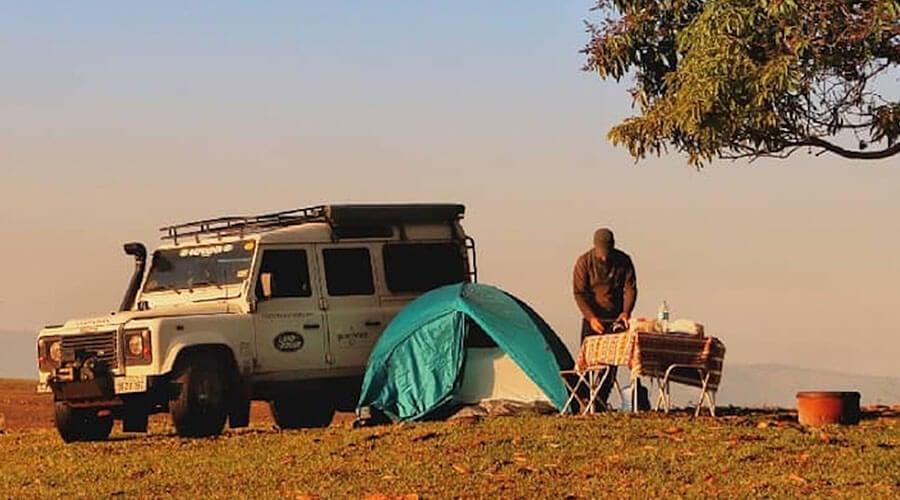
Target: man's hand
(597, 325)
(624, 319)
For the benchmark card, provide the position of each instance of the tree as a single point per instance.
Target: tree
(753, 78)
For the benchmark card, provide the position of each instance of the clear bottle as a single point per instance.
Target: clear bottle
(663, 317)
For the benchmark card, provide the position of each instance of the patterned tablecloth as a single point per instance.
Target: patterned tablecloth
(651, 354)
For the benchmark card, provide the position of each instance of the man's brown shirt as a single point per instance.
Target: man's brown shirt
(605, 289)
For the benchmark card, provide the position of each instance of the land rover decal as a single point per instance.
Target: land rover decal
(288, 341)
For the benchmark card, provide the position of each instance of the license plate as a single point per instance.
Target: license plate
(129, 384)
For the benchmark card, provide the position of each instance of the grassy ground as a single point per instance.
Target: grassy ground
(761, 454)
(501, 457)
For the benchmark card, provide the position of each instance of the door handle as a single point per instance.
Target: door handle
(373, 323)
(311, 326)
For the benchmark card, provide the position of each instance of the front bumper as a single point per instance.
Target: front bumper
(95, 389)
(149, 392)
(90, 379)
(105, 387)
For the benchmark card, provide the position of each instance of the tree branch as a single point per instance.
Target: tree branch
(848, 153)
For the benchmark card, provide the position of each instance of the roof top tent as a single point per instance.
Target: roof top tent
(335, 222)
(341, 218)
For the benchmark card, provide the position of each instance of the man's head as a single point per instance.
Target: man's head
(604, 242)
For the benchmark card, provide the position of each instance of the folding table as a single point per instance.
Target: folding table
(692, 360)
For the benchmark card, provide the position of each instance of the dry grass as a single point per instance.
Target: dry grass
(760, 454)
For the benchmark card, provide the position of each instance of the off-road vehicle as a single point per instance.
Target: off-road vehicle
(282, 307)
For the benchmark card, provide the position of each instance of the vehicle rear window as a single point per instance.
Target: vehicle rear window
(420, 267)
(348, 271)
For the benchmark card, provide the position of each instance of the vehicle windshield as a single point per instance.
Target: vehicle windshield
(192, 267)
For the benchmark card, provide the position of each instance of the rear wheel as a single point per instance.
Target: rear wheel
(297, 412)
(201, 406)
(81, 424)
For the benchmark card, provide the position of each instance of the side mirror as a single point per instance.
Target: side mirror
(265, 285)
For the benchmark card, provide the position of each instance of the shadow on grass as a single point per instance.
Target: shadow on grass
(737, 416)
(169, 434)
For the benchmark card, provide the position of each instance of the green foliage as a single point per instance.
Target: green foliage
(752, 78)
(611, 455)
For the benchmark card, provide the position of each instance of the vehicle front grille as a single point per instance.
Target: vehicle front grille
(102, 345)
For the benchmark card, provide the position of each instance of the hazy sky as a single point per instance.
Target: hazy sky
(118, 117)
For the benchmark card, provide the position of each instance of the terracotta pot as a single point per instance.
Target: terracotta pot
(822, 408)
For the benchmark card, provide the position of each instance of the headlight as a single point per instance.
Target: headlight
(49, 351)
(137, 347)
(55, 351)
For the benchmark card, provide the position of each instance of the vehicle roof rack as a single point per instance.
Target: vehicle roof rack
(353, 216)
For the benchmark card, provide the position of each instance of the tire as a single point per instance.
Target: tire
(298, 412)
(201, 406)
(81, 424)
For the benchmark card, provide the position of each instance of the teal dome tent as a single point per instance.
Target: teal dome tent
(419, 364)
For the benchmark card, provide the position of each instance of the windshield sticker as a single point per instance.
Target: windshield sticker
(187, 268)
(206, 251)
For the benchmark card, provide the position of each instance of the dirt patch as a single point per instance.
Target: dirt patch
(23, 408)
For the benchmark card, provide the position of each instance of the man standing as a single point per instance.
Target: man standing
(605, 286)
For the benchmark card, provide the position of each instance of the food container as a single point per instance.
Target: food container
(820, 408)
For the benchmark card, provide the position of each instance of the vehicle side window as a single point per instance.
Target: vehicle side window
(287, 272)
(348, 271)
(420, 267)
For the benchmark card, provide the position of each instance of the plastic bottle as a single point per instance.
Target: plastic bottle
(664, 317)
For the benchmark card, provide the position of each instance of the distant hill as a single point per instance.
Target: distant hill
(17, 355)
(766, 385)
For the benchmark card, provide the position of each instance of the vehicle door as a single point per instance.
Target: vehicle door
(355, 320)
(291, 333)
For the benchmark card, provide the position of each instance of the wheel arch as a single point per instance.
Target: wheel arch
(214, 347)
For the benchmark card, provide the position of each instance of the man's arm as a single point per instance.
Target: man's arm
(581, 284)
(630, 292)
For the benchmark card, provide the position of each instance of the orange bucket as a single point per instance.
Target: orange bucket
(820, 408)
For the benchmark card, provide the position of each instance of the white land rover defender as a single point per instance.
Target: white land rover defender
(281, 307)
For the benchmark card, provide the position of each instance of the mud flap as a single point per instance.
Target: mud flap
(135, 420)
(239, 411)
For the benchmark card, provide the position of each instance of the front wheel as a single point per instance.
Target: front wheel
(201, 407)
(297, 412)
(81, 424)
